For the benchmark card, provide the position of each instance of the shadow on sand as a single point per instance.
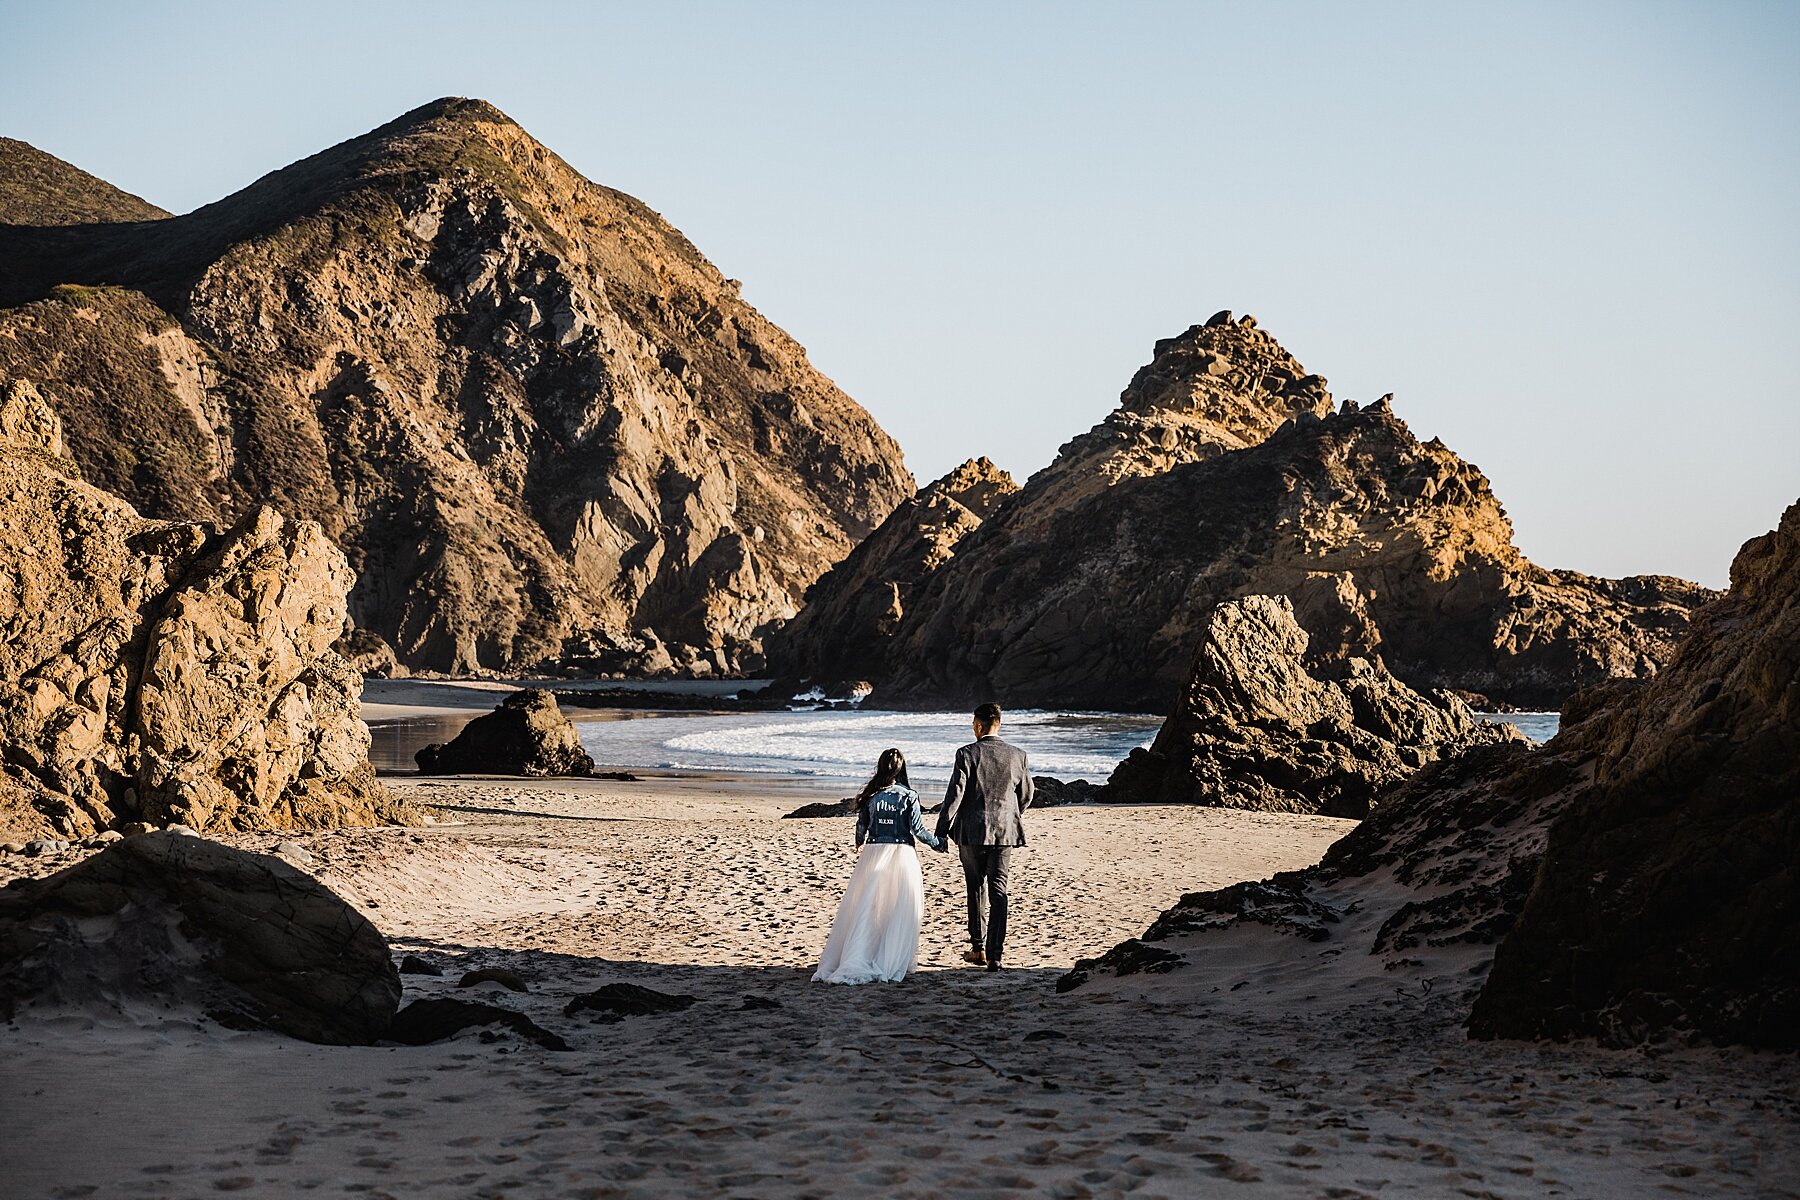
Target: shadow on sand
(732, 1002)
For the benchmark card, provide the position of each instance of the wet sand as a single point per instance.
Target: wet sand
(409, 699)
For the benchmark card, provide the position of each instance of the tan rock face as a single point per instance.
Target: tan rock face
(535, 419)
(978, 485)
(167, 671)
(27, 422)
(1225, 473)
(1218, 387)
(843, 629)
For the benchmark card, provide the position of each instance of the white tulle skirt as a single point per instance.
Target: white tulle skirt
(875, 937)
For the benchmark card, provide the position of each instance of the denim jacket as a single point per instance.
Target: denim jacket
(891, 816)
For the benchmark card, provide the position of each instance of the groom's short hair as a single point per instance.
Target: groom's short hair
(988, 716)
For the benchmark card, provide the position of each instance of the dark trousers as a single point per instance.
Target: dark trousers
(986, 872)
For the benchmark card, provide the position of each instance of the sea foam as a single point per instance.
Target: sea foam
(847, 744)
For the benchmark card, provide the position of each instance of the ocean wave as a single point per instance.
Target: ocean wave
(929, 745)
(845, 745)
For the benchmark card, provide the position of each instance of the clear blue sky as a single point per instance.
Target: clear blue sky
(1565, 235)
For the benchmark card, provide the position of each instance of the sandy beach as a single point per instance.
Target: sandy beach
(470, 476)
(956, 1083)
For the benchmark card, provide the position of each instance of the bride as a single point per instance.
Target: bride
(876, 934)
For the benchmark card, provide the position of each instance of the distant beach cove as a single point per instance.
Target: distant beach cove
(407, 714)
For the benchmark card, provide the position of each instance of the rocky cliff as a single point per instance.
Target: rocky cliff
(1637, 872)
(539, 423)
(166, 671)
(1253, 728)
(1227, 472)
(1669, 897)
(848, 618)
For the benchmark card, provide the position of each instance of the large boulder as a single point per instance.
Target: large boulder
(167, 671)
(1254, 728)
(527, 734)
(189, 925)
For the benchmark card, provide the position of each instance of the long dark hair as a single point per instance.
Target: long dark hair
(889, 770)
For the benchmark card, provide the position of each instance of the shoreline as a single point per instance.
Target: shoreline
(827, 745)
(412, 697)
(798, 744)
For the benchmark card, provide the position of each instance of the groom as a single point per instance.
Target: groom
(989, 789)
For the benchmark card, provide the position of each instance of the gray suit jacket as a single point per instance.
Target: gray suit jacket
(989, 788)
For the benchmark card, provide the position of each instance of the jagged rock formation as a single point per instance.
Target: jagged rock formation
(186, 923)
(166, 671)
(1637, 872)
(1252, 728)
(1669, 897)
(844, 626)
(529, 411)
(526, 734)
(1225, 472)
(1222, 386)
(41, 189)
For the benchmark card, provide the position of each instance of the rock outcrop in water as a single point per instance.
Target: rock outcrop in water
(1253, 728)
(166, 671)
(527, 734)
(1637, 872)
(849, 618)
(539, 423)
(1226, 472)
(188, 924)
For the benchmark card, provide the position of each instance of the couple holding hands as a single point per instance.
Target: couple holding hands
(875, 937)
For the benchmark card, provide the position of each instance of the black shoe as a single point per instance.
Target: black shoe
(993, 964)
